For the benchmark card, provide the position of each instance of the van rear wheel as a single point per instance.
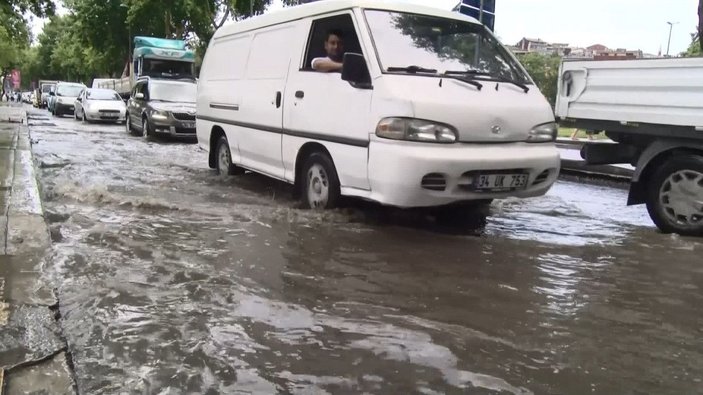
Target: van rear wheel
(225, 167)
(320, 187)
(675, 196)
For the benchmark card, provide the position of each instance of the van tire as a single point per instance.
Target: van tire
(223, 159)
(680, 178)
(320, 186)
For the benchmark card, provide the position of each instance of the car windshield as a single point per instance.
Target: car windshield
(69, 90)
(436, 45)
(102, 95)
(175, 92)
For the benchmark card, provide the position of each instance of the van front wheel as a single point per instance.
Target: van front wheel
(320, 182)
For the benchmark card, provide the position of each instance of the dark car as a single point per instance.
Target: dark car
(162, 106)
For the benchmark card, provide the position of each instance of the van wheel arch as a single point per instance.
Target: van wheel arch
(215, 135)
(303, 153)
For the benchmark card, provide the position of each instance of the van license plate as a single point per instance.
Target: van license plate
(501, 182)
(189, 125)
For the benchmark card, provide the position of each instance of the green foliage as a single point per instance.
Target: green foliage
(694, 49)
(544, 70)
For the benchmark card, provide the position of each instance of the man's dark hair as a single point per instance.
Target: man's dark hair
(336, 32)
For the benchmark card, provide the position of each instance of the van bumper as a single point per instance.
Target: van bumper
(397, 168)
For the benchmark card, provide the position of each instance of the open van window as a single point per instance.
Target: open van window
(318, 34)
(423, 43)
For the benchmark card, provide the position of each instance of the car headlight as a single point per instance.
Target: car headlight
(416, 130)
(159, 115)
(543, 133)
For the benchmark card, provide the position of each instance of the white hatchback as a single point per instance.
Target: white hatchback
(99, 105)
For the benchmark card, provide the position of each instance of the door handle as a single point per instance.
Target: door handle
(299, 94)
(279, 96)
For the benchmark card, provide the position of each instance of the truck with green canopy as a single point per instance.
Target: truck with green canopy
(156, 58)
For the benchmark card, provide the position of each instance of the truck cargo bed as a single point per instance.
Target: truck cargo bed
(632, 93)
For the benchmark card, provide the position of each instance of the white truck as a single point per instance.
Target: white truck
(653, 110)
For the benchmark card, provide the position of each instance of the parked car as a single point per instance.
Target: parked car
(429, 110)
(63, 99)
(99, 105)
(162, 106)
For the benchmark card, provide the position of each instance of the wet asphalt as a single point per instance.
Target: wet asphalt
(173, 280)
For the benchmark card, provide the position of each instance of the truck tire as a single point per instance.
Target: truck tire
(675, 196)
(320, 186)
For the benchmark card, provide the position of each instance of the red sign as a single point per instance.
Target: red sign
(16, 78)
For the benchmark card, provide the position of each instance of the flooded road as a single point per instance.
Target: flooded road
(173, 280)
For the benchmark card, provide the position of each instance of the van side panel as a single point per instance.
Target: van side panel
(260, 114)
(219, 87)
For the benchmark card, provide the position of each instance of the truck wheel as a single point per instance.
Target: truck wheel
(675, 196)
(320, 182)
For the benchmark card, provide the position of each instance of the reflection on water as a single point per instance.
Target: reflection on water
(173, 280)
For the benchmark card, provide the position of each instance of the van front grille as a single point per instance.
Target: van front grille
(542, 177)
(434, 182)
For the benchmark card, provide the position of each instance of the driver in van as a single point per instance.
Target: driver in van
(334, 46)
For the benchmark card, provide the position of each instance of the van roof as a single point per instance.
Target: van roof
(323, 7)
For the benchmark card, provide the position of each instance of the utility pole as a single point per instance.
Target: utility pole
(671, 27)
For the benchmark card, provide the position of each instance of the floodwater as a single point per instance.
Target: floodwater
(173, 280)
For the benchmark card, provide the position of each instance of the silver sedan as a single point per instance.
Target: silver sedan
(99, 105)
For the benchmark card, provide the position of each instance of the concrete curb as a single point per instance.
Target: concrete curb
(26, 305)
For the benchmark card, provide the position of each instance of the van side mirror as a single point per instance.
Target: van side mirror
(139, 96)
(52, 93)
(355, 71)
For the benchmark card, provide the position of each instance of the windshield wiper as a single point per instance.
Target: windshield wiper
(465, 72)
(411, 69)
(471, 73)
(464, 78)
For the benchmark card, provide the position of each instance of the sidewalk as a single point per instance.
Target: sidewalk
(32, 351)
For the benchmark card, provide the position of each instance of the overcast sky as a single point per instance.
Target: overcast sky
(631, 24)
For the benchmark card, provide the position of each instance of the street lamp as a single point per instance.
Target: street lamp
(671, 27)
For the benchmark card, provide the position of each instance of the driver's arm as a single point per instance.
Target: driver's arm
(326, 65)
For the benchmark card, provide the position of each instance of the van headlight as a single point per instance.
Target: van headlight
(543, 133)
(416, 130)
(159, 115)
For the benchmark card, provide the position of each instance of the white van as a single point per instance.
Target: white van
(429, 109)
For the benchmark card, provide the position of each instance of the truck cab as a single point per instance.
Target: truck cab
(156, 58)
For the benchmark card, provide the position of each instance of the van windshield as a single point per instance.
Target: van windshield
(421, 43)
(69, 90)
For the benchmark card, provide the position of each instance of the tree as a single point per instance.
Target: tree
(12, 15)
(544, 70)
